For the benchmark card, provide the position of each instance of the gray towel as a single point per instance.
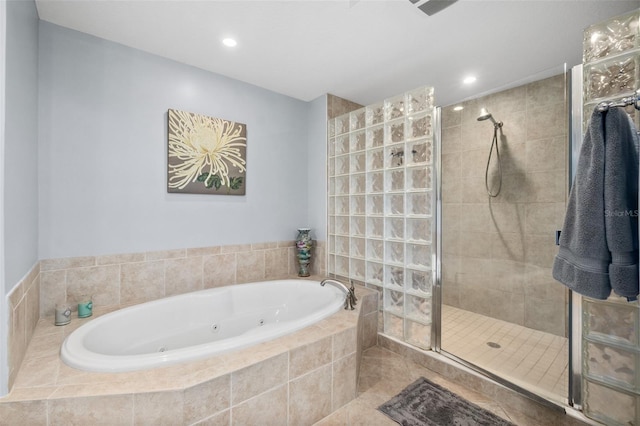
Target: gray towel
(599, 240)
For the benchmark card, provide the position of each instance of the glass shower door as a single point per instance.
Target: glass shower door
(502, 311)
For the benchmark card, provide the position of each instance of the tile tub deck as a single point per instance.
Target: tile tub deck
(302, 377)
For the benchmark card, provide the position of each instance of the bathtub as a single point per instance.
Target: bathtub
(198, 325)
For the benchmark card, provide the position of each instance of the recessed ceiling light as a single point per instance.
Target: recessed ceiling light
(458, 108)
(229, 42)
(469, 80)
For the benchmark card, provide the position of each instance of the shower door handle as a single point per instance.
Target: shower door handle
(558, 232)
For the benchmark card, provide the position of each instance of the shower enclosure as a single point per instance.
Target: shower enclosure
(502, 311)
(465, 270)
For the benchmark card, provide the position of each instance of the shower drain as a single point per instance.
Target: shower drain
(493, 345)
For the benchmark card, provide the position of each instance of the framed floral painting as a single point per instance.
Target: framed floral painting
(206, 155)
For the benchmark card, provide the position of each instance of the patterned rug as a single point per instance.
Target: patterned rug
(424, 403)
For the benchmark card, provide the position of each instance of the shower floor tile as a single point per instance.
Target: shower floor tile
(532, 359)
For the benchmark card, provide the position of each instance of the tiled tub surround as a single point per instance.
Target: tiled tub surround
(24, 312)
(296, 379)
(127, 279)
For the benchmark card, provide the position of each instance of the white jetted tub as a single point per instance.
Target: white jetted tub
(198, 325)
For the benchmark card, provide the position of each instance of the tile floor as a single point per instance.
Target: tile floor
(383, 374)
(535, 360)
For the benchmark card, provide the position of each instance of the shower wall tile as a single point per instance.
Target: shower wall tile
(539, 283)
(514, 159)
(545, 92)
(451, 139)
(475, 272)
(469, 164)
(513, 134)
(508, 276)
(474, 217)
(509, 100)
(497, 252)
(515, 189)
(476, 244)
(451, 166)
(541, 250)
(451, 243)
(452, 190)
(477, 299)
(546, 154)
(507, 217)
(548, 121)
(546, 314)
(474, 190)
(508, 306)
(450, 118)
(507, 246)
(544, 218)
(547, 187)
(474, 138)
(451, 293)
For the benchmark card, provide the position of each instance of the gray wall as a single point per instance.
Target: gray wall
(21, 142)
(102, 153)
(317, 171)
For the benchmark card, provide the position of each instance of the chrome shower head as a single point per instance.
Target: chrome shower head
(486, 115)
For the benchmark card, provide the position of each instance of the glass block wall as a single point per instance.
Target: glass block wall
(381, 204)
(610, 328)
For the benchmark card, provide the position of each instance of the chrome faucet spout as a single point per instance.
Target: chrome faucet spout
(351, 299)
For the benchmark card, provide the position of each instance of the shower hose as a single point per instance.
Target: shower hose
(494, 142)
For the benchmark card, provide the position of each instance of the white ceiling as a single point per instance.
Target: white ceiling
(362, 50)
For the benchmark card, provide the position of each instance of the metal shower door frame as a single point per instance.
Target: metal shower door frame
(574, 311)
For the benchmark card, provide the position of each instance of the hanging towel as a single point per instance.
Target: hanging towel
(599, 239)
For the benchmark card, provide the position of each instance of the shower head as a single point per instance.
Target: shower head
(486, 115)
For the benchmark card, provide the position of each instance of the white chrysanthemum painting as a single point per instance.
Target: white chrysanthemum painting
(206, 155)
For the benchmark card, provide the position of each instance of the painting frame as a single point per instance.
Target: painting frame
(205, 155)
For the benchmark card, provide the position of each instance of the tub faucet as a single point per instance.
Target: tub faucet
(351, 298)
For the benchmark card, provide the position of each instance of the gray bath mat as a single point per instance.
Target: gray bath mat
(424, 403)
